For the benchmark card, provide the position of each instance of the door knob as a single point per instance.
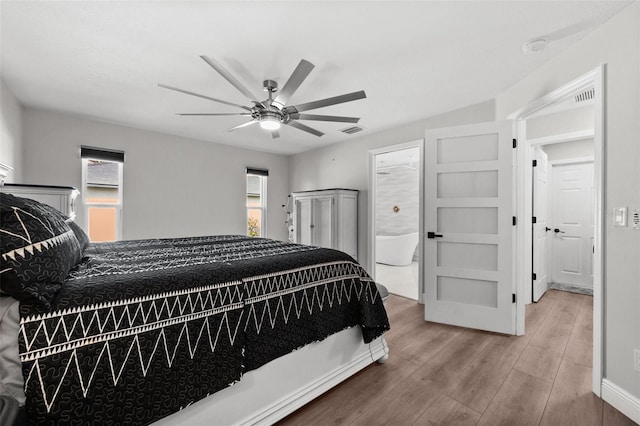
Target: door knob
(558, 231)
(433, 235)
(547, 229)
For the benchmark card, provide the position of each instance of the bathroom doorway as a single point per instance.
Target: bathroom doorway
(395, 218)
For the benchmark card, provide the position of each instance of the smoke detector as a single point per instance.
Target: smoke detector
(535, 45)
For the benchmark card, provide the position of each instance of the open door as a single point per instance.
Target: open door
(469, 208)
(540, 225)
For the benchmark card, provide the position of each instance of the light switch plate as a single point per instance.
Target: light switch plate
(620, 216)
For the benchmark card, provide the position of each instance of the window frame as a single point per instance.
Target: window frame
(86, 204)
(263, 203)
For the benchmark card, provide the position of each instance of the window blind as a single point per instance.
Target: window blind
(258, 172)
(101, 154)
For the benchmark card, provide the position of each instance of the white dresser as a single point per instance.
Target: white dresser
(327, 218)
(62, 198)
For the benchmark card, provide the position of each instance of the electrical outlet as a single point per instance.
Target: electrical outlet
(636, 359)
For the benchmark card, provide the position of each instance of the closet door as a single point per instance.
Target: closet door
(303, 221)
(323, 221)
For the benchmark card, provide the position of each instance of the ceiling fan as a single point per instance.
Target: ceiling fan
(272, 112)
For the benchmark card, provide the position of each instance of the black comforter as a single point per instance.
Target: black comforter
(143, 328)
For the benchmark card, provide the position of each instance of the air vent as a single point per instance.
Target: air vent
(352, 130)
(587, 95)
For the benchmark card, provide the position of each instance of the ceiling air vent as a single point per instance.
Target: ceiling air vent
(587, 95)
(352, 130)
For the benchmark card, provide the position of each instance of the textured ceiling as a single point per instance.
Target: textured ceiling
(103, 60)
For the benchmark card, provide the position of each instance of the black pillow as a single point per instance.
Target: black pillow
(37, 249)
(83, 238)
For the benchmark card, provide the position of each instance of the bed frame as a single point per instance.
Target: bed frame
(270, 393)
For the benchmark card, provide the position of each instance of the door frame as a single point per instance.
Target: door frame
(596, 79)
(371, 229)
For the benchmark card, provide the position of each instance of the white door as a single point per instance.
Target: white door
(323, 221)
(303, 220)
(541, 225)
(572, 212)
(469, 207)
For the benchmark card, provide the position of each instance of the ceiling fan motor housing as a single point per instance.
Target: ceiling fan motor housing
(270, 86)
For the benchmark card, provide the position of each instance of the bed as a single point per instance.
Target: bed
(219, 330)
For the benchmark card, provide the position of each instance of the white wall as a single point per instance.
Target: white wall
(616, 44)
(345, 165)
(568, 150)
(172, 186)
(11, 133)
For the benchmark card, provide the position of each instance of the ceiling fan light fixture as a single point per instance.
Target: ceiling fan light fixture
(270, 122)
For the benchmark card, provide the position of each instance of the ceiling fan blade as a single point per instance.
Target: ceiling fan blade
(164, 86)
(304, 128)
(297, 116)
(326, 102)
(297, 77)
(229, 77)
(275, 134)
(214, 113)
(239, 126)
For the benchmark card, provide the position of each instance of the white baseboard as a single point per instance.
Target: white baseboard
(621, 400)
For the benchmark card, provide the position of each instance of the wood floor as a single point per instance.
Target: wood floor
(444, 375)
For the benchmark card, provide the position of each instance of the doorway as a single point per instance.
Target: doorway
(590, 87)
(395, 217)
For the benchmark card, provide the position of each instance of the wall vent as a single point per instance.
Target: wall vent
(587, 95)
(352, 130)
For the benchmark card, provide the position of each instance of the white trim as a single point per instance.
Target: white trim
(563, 137)
(568, 89)
(371, 231)
(524, 154)
(621, 400)
(576, 160)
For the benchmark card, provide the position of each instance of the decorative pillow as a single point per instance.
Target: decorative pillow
(37, 249)
(83, 238)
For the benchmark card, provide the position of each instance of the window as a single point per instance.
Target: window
(257, 202)
(102, 193)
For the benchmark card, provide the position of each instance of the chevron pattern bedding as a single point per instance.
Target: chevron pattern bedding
(141, 329)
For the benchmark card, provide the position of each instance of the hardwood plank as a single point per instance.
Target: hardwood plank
(580, 345)
(571, 401)
(477, 384)
(535, 313)
(401, 405)
(421, 340)
(613, 417)
(450, 361)
(430, 340)
(520, 400)
(448, 412)
(539, 362)
(554, 332)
